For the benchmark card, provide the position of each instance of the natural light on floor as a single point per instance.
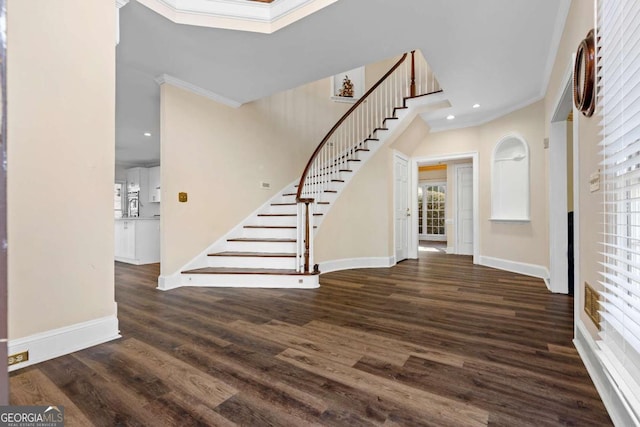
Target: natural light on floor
(427, 249)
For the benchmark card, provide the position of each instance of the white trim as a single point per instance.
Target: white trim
(613, 402)
(413, 198)
(119, 5)
(236, 15)
(174, 81)
(351, 263)
(58, 342)
(577, 280)
(532, 270)
(558, 223)
(252, 281)
(169, 281)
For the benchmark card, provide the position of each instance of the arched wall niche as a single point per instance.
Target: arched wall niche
(510, 180)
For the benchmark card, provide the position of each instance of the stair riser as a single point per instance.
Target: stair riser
(251, 262)
(269, 233)
(279, 209)
(269, 247)
(272, 221)
(251, 281)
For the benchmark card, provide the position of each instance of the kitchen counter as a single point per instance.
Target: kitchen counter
(137, 218)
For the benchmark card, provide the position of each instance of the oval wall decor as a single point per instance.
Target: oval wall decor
(584, 76)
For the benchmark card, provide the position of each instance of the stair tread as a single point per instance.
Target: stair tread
(268, 240)
(283, 204)
(228, 270)
(255, 254)
(362, 149)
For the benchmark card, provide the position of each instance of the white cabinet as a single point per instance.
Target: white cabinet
(125, 242)
(137, 241)
(137, 180)
(154, 184)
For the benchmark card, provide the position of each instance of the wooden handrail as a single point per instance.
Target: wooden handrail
(299, 197)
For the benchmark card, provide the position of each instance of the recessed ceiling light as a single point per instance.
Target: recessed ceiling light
(147, 134)
(451, 117)
(476, 105)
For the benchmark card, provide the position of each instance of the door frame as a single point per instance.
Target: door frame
(401, 155)
(413, 198)
(558, 224)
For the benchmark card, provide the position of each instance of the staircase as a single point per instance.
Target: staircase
(273, 247)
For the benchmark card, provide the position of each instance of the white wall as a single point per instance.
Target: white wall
(61, 106)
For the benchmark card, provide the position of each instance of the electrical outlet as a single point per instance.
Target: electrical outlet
(19, 357)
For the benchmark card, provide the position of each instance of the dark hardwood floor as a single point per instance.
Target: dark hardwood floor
(435, 341)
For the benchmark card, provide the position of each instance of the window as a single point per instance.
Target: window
(431, 211)
(619, 107)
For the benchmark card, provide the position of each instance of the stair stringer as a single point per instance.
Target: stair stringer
(394, 128)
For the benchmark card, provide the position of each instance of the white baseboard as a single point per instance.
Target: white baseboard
(350, 263)
(169, 282)
(588, 351)
(58, 342)
(532, 270)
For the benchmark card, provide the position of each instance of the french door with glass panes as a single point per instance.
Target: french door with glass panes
(431, 211)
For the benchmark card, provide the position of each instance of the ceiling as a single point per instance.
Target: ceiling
(497, 53)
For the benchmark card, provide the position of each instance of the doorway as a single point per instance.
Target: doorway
(401, 206)
(461, 225)
(562, 140)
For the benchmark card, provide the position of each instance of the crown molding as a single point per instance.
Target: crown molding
(243, 15)
(121, 3)
(173, 81)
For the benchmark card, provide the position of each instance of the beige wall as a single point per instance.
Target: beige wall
(219, 155)
(61, 113)
(360, 223)
(579, 21)
(520, 242)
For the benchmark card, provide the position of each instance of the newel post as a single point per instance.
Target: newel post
(412, 86)
(307, 236)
